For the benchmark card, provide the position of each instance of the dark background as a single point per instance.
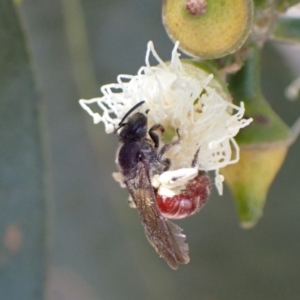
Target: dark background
(97, 246)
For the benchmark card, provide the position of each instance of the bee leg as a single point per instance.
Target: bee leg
(166, 162)
(195, 159)
(166, 147)
(154, 136)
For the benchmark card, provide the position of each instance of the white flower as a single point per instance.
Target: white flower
(178, 95)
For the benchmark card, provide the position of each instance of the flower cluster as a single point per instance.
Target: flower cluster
(178, 94)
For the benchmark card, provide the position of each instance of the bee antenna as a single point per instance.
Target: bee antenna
(130, 111)
(121, 124)
(119, 127)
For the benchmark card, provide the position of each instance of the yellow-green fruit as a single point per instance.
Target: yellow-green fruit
(221, 28)
(250, 178)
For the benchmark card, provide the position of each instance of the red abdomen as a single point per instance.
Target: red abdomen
(189, 201)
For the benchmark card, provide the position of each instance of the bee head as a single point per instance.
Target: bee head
(135, 128)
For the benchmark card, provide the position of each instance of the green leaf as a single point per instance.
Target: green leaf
(244, 86)
(287, 29)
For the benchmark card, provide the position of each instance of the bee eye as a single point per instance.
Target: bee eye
(139, 130)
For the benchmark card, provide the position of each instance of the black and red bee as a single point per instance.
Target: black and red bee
(139, 159)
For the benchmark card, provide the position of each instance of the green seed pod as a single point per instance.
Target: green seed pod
(208, 28)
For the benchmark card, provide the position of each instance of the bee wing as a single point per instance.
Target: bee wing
(166, 237)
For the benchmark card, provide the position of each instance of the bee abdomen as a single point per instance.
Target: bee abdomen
(188, 201)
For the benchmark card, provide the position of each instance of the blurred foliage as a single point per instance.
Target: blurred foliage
(287, 29)
(22, 202)
(281, 5)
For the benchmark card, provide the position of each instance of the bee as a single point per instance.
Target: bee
(139, 159)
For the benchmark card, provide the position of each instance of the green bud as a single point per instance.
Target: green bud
(208, 28)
